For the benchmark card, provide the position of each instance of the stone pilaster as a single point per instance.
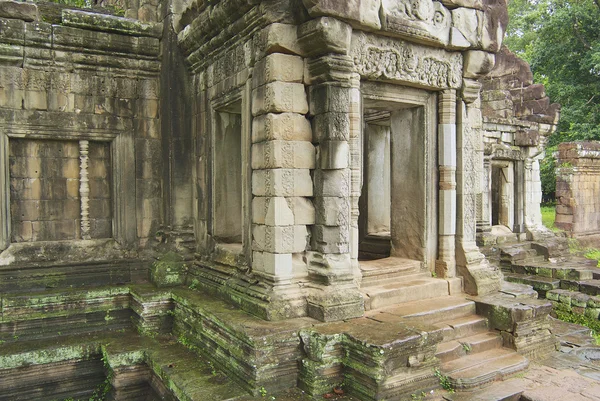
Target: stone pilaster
(533, 195)
(519, 199)
(334, 98)
(445, 264)
(84, 188)
(479, 277)
(282, 157)
(4, 193)
(484, 204)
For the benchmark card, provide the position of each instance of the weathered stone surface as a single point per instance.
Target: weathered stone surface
(478, 63)
(284, 126)
(18, 10)
(109, 23)
(396, 60)
(425, 20)
(324, 35)
(283, 154)
(279, 97)
(282, 182)
(363, 13)
(278, 239)
(278, 67)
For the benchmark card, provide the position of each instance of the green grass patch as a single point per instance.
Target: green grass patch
(549, 216)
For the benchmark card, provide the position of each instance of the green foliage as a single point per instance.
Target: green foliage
(594, 254)
(263, 392)
(73, 3)
(444, 380)
(561, 41)
(466, 347)
(570, 317)
(548, 174)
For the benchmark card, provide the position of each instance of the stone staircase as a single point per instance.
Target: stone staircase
(392, 281)
(546, 266)
(471, 355)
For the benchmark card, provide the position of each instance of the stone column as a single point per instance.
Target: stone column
(282, 157)
(334, 98)
(479, 277)
(4, 193)
(519, 196)
(484, 211)
(84, 189)
(533, 195)
(445, 265)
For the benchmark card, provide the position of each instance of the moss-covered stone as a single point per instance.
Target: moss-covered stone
(169, 270)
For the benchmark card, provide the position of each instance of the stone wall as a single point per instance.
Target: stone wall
(80, 135)
(578, 189)
(517, 119)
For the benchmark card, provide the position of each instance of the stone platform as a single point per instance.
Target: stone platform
(153, 341)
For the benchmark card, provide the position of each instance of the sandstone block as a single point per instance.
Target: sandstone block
(276, 264)
(279, 239)
(324, 35)
(279, 38)
(334, 183)
(278, 67)
(303, 210)
(272, 211)
(478, 63)
(334, 154)
(282, 182)
(494, 26)
(18, 10)
(332, 125)
(330, 239)
(284, 126)
(332, 211)
(283, 154)
(358, 12)
(467, 22)
(326, 98)
(279, 97)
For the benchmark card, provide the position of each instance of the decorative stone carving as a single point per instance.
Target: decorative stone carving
(397, 60)
(425, 19)
(84, 189)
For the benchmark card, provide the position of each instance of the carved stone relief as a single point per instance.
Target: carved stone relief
(395, 60)
(426, 19)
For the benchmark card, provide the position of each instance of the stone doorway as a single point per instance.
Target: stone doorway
(396, 202)
(503, 199)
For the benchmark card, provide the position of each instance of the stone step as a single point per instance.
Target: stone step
(376, 271)
(428, 311)
(463, 326)
(483, 367)
(553, 270)
(509, 390)
(405, 289)
(539, 283)
(454, 349)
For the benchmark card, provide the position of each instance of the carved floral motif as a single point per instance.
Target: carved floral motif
(388, 59)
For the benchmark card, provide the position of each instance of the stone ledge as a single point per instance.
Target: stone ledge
(110, 23)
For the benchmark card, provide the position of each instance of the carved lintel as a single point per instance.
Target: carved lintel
(396, 60)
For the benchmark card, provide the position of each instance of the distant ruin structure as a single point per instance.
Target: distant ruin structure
(306, 162)
(578, 190)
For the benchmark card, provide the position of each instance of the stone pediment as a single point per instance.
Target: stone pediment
(382, 58)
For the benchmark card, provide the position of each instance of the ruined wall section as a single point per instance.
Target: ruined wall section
(80, 135)
(518, 117)
(578, 189)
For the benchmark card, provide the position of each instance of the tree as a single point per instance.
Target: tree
(561, 41)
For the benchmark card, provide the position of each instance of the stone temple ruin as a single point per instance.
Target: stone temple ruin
(299, 192)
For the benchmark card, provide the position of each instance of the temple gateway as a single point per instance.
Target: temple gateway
(303, 193)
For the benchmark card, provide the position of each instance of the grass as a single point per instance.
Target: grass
(549, 216)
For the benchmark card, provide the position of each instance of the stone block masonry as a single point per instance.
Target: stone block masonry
(578, 189)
